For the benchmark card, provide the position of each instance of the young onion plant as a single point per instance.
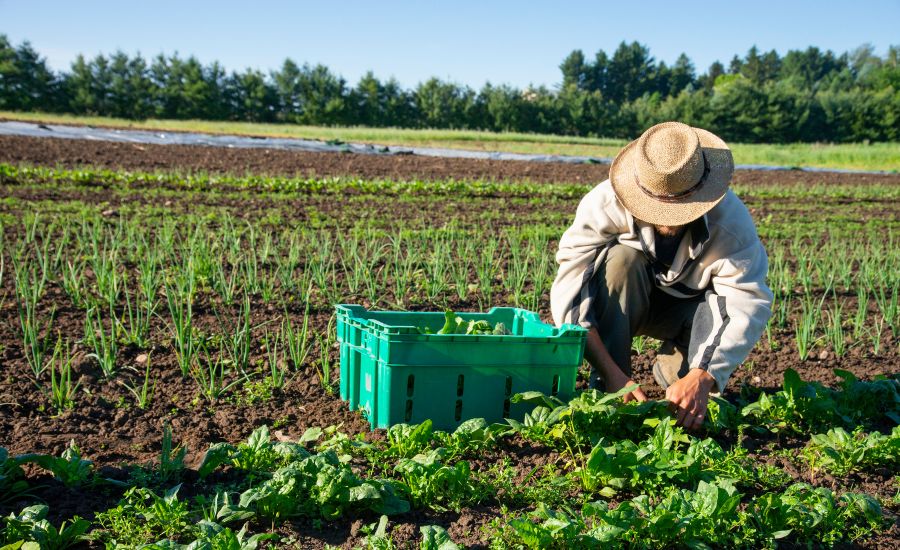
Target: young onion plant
(135, 322)
(834, 329)
(237, 335)
(211, 373)
(888, 300)
(62, 389)
(487, 268)
(73, 282)
(36, 332)
(102, 339)
(519, 267)
(142, 392)
(323, 368)
(459, 269)
(806, 325)
(296, 341)
(180, 300)
(277, 372)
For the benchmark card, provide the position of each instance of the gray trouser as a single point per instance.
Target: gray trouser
(628, 303)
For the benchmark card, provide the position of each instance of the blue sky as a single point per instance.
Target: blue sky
(470, 42)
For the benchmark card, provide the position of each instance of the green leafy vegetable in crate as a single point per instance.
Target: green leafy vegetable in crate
(457, 325)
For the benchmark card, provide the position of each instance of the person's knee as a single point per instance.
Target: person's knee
(625, 267)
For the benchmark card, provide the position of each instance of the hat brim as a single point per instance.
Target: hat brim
(683, 211)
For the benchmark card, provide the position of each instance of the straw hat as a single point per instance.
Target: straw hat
(672, 174)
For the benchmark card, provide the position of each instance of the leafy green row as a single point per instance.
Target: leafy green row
(713, 515)
(10, 173)
(669, 458)
(840, 453)
(803, 406)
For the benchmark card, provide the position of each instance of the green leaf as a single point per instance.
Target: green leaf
(366, 491)
(436, 538)
(469, 426)
(311, 435)
(218, 454)
(708, 496)
(259, 439)
(452, 323)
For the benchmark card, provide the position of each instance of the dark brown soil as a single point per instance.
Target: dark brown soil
(115, 434)
(145, 157)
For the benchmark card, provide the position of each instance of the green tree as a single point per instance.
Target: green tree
(186, 89)
(681, 75)
(708, 80)
(574, 70)
(130, 89)
(400, 106)
(810, 66)
(443, 104)
(760, 68)
(630, 73)
(26, 83)
(250, 97)
(287, 88)
(88, 86)
(370, 101)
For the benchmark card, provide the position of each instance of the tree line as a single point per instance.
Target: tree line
(806, 95)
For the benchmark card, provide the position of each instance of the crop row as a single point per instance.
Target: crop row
(625, 474)
(13, 174)
(136, 286)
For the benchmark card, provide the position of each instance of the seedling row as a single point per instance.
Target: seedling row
(177, 320)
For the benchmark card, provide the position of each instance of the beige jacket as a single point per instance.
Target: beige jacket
(722, 258)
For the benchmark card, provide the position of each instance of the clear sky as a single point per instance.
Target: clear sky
(465, 41)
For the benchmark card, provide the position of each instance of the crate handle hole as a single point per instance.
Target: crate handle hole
(408, 415)
(458, 415)
(410, 385)
(460, 385)
(555, 389)
(508, 387)
(506, 408)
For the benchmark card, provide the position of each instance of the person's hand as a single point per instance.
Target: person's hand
(616, 380)
(689, 396)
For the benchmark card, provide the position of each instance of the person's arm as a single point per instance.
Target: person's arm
(599, 219)
(736, 313)
(596, 354)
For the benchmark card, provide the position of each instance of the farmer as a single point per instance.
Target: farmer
(663, 248)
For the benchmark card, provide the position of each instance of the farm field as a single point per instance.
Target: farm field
(169, 369)
(854, 156)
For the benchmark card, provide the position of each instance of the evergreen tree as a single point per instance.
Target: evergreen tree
(443, 104)
(250, 97)
(682, 75)
(806, 95)
(708, 80)
(26, 83)
(574, 70)
(630, 72)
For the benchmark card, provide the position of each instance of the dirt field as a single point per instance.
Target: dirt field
(74, 153)
(114, 435)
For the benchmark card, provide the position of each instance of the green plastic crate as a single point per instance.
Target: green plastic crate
(396, 374)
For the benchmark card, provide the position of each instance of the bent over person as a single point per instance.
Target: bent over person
(663, 248)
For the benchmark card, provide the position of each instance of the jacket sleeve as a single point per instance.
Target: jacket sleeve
(735, 313)
(581, 250)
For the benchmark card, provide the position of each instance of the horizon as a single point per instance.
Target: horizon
(507, 57)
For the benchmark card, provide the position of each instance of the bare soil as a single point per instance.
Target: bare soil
(116, 435)
(148, 157)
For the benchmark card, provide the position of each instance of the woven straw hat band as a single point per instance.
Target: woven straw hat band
(669, 161)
